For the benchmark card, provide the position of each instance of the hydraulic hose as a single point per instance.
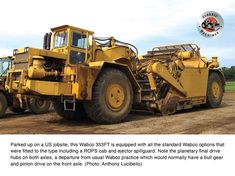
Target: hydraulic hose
(128, 44)
(108, 39)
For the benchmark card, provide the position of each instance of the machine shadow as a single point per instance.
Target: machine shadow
(12, 115)
(133, 116)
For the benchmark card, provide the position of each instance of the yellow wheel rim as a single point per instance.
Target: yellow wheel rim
(115, 97)
(215, 90)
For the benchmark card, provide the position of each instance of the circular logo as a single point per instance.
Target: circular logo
(210, 24)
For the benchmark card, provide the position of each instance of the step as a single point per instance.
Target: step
(142, 81)
(146, 90)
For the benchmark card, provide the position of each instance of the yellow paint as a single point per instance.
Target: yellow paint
(152, 82)
(214, 63)
(194, 81)
(184, 54)
(115, 97)
(48, 88)
(96, 64)
(75, 90)
(112, 53)
(161, 70)
(186, 72)
(215, 90)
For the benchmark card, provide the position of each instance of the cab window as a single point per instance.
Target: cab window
(61, 39)
(5, 65)
(77, 57)
(78, 40)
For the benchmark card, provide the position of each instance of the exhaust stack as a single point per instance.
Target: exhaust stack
(47, 41)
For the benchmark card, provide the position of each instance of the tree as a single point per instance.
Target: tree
(229, 73)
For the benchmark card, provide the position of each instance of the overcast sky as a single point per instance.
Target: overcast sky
(145, 23)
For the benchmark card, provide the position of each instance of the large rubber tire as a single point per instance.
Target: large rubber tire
(112, 97)
(215, 90)
(39, 106)
(3, 105)
(70, 115)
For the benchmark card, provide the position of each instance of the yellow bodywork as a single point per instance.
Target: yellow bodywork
(80, 78)
(49, 88)
(73, 64)
(160, 70)
(194, 87)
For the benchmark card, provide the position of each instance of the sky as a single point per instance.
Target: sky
(145, 23)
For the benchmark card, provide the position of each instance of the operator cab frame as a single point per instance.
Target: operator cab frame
(74, 42)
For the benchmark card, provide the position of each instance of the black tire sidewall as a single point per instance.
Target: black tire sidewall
(123, 83)
(3, 106)
(69, 115)
(104, 113)
(211, 101)
(39, 110)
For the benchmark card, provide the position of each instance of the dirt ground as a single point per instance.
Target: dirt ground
(194, 121)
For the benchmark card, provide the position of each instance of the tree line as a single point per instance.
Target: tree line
(229, 73)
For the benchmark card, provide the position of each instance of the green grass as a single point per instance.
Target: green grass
(230, 85)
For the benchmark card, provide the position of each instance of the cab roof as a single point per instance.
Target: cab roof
(72, 27)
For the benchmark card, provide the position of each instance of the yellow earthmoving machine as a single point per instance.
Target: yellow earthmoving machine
(104, 78)
(9, 100)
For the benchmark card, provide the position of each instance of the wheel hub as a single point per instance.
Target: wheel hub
(115, 97)
(215, 90)
(39, 102)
